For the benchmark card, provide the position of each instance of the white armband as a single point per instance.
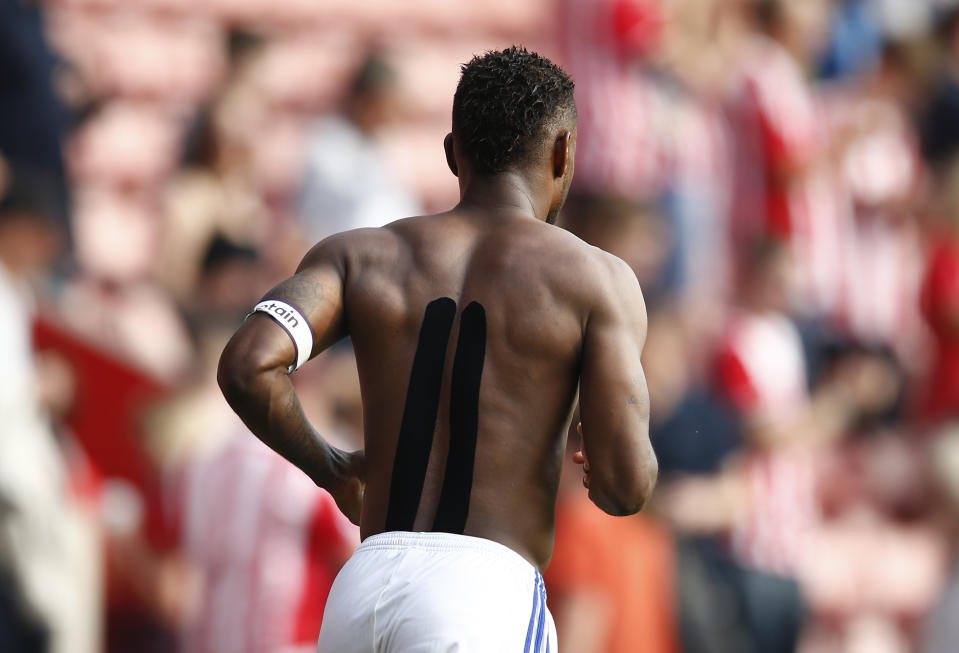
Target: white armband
(290, 318)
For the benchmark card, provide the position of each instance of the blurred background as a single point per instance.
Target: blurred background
(781, 175)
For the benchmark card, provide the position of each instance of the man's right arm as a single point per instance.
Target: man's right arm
(620, 465)
(255, 367)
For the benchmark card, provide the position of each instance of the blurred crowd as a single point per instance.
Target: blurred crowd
(782, 176)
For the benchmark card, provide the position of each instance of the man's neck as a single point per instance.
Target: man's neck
(504, 193)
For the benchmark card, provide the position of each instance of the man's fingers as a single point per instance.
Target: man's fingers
(580, 459)
(582, 452)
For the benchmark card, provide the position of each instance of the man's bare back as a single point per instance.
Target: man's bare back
(538, 287)
(473, 330)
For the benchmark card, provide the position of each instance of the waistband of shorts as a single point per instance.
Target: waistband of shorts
(444, 542)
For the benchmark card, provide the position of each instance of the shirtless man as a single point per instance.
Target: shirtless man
(473, 330)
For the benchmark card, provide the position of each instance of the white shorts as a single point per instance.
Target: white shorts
(429, 592)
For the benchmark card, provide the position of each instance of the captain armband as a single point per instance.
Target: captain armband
(294, 322)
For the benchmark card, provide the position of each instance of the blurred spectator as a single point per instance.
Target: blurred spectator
(33, 122)
(882, 174)
(696, 202)
(264, 542)
(611, 580)
(937, 126)
(117, 314)
(783, 183)
(940, 307)
(116, 157)
(603, 42)
(156, 585)
(267, 545)
(692, 430)
(231, 281)
(760, 366)
(347, 183)
(726, 607)
(691, 70)
(855, 39)
(875, 564)
(47, 542)
(761, 371)
(217, 189)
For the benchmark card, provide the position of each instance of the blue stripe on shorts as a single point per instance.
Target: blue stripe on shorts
(537, 616)
(532, 614)
(541, 588)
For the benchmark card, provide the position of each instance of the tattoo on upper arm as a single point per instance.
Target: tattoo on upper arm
(302, 289)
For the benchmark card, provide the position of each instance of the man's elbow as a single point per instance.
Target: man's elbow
(628, 494)
(233, 379)
(238, 373)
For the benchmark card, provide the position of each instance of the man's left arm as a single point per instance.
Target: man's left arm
(301, 316)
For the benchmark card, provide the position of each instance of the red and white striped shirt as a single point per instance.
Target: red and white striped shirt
(267, 543)
(761, 370)
(784, 187)
(617, 148)
(782, 510)
(882, 259)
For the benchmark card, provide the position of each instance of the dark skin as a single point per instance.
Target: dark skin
(561, 315)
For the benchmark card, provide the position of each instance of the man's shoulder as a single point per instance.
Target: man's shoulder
(356, 244)
(530, 246)
(611, 283)
(566, 249)
(595, 265)
(587, 277)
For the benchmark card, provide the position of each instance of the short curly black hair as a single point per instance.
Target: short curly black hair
(505, 103)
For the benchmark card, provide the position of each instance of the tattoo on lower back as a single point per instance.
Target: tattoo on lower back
(419, 417)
